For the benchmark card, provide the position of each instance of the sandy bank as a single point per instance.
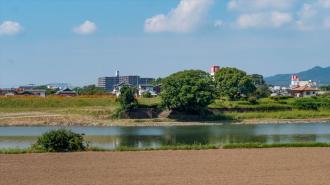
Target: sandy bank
(41, 119)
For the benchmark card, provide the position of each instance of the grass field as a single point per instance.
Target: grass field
(100, 108)
(178, 147)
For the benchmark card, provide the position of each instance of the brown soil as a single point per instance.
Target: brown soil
(45, 119)
(241, 166)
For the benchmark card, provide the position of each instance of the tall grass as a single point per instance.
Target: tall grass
(275, 145)
(293, 114)
(55, 101)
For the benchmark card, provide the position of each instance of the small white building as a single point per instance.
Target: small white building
(147, 88)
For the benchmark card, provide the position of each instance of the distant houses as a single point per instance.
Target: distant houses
(35, 91)
(297, 88)
(66, 92)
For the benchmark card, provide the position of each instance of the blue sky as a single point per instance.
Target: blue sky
(76, 41)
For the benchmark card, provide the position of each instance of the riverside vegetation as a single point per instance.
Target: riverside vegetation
(192, 95)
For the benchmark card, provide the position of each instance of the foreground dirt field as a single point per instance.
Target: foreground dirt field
(241, 166)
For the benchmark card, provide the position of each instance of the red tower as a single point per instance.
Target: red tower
(214, 69)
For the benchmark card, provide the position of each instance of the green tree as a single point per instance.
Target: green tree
(158, 81)
(127, 98)
(189, 91)
(234, 83)
(90, 90)
(325, 88)
(257, 80)
(262, 90)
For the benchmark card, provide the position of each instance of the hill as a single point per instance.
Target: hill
(318, 74)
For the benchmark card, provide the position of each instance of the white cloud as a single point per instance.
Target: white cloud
(218, 24)
(254, 5)
(278, 18)
(86, 28)
(250, 20)
(259, 20)
(324, 3)
(326, 23)
(307, 11)
(186, 17)
(10, 28)
(311, 15)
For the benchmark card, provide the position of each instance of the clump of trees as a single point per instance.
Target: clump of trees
(234, 83)
(189, 91)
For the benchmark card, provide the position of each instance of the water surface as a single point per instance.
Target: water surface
(141, 137)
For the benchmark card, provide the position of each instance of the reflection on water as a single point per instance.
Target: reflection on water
(112, 137)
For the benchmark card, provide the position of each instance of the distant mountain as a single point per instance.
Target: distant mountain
(317, 74)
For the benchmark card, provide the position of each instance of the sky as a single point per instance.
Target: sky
(77, 41)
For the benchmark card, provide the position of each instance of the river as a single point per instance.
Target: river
(142, 137)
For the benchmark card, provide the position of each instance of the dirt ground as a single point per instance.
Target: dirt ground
(240, 166)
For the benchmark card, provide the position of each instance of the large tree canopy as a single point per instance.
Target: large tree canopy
(188, 91)
(233, 83)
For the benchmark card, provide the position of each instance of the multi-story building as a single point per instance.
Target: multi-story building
(108, 83)
(132, 80)
(145, 81)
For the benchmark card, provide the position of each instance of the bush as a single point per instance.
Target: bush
(147, 94)
(303, 104)
(61, 140)
(253, 101)
(278, 98)
(313, 103)
(127, 99)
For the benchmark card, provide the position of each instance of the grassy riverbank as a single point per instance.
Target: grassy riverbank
(98, 110)
(176, 147)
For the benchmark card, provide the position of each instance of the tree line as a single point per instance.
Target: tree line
(191, 91)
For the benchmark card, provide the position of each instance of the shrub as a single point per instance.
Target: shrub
(306, 105)
(61, 140)
(253, 101)
(127, 99)
(147, 94)
(278, 98)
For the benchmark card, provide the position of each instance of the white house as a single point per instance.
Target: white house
(147, 88)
